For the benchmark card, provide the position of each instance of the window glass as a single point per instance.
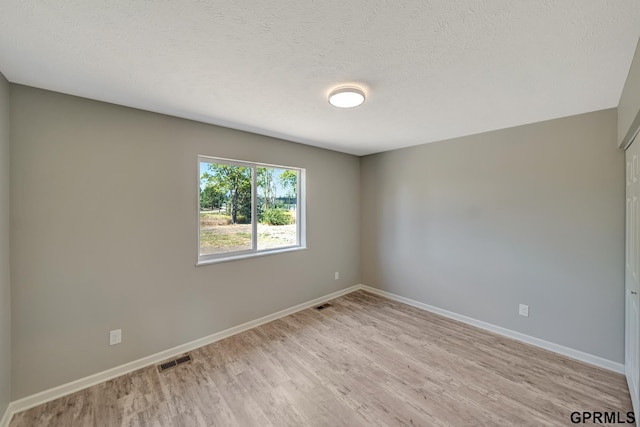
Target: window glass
(225, 208)
(277, 207)
(247, 208)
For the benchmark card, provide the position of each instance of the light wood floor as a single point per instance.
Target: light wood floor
(364, 361)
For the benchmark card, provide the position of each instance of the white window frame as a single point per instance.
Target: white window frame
(301, 240)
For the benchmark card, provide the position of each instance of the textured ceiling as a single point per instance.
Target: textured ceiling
(432, 70)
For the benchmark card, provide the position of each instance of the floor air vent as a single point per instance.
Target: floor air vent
(323, 306)
(175, 362)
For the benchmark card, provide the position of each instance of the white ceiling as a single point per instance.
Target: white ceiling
(432, 70)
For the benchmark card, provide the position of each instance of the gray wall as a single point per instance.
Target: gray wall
(104, 200)
(629, 106)
(5, 297)
(532, 214)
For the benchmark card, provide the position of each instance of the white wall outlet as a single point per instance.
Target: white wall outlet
(524, 310)
(337, 275)
(115, 337)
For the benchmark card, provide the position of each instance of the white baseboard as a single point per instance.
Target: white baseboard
(74, 386)
(6, 418)
(556, 348)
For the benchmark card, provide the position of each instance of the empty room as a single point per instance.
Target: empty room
(304, 213)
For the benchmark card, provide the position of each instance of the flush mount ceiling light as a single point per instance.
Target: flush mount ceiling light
(346, 97)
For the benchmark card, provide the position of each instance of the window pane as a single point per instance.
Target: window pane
(277, 199)
(225, 208)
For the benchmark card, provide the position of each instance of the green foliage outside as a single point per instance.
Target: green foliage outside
(212, 197)
(289, 181)
(232, 185)
(227, 188)
(277, 217)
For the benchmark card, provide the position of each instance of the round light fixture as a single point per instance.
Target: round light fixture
(346, 97)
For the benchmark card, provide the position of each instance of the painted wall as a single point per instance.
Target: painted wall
(629, 106)
(532, 214)
(104, 207)
(5, 291)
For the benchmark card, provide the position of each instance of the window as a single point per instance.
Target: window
(248, 209)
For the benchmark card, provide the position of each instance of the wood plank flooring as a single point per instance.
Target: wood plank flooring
(365, 361)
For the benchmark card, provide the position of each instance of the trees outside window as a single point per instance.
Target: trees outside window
(247, 207)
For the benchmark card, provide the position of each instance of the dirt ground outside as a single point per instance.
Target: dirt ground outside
(215, 238)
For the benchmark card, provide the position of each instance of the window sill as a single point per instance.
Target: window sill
(250, 255)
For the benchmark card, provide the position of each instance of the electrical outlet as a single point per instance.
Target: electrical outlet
(115, 337)
(524, 310)
(337, 275)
